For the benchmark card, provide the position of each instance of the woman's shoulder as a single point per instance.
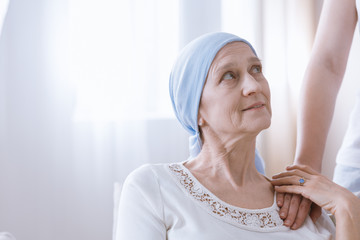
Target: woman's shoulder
(324, 223)
(145, 186)
(147, 174)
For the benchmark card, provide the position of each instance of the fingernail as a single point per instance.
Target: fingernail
(294, 226)
(282, 215)
(287, 223)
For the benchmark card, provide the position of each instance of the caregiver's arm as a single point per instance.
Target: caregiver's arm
(343, 204)
(323, 78)
(321, 84)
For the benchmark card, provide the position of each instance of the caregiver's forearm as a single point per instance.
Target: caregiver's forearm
(317, 104)
(348, 220)
(323, 78)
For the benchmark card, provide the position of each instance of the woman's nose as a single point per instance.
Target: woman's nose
(250, 85)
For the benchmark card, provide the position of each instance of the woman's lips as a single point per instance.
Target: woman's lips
(254, 106)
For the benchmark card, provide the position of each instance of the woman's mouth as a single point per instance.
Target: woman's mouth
(254, 106)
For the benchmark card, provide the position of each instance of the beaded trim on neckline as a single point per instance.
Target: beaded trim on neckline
(261, 220)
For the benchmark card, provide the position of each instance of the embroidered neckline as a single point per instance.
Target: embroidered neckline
(263, 220)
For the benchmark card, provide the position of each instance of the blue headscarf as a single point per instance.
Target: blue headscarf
(187, 80)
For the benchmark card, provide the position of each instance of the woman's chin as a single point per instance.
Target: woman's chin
(258, 126)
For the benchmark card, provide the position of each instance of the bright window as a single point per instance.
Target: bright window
(121, 57)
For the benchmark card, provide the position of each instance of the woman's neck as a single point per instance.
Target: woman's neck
(229, 172)
(233, 163)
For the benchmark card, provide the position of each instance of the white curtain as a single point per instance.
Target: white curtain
(85, 101)
(84, 98)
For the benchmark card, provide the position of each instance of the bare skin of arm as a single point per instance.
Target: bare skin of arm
(322, 81)
(343, 204)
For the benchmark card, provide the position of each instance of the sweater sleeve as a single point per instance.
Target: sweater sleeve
(140, 213)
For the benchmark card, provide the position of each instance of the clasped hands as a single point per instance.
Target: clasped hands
(293, 199)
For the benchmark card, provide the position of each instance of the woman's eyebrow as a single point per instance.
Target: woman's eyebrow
(254, 59)
(221, 67)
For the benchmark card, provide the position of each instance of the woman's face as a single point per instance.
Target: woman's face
(236, 95)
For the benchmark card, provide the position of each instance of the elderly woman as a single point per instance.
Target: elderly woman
(222, 98)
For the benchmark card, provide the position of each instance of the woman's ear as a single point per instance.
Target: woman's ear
(200, 125)
(201, 121)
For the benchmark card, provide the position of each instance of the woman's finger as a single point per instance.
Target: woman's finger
(284, 210)
(280, 199)
(302, 213)
(293, 210)
(315, 212)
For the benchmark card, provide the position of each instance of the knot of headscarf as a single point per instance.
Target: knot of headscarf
(187, 80)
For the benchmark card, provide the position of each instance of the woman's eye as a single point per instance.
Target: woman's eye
(228, 76)
(256, 69)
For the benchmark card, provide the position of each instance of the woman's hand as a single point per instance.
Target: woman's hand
(294, 209)
(316, 187)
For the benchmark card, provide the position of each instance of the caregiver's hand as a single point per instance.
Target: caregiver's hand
(316, 187)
